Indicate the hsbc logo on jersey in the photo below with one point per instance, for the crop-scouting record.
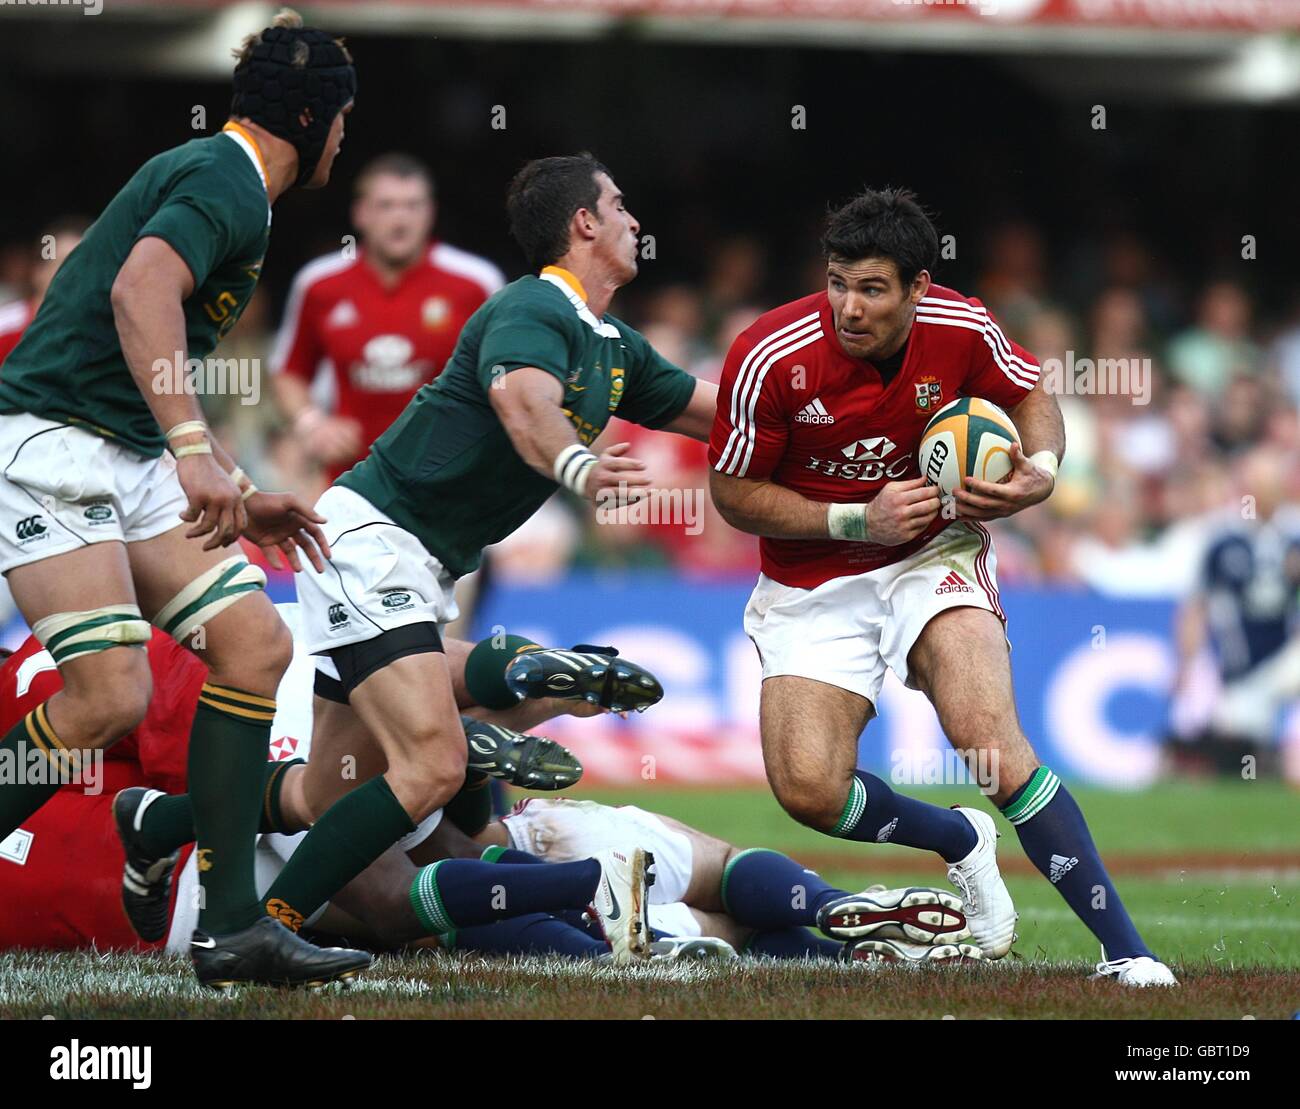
(868, 449)
(866, 460)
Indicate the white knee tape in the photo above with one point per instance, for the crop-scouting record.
(69, 634)
(208, 594)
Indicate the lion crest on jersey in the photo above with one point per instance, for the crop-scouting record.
(929, 395)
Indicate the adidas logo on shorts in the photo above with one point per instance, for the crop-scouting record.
(814, 412)
(1060, 867)
(954, 583)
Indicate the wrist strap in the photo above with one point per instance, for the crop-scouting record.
(249, 490)
(191, 448)
(572, 467)
(186, 427)
(1046, 460)
(847, 521)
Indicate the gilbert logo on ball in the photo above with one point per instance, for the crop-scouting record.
(968, 437)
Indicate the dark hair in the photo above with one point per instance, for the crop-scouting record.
(883, 223)
(542, 199)
(394, 164)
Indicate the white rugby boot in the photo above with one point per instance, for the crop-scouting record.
(620, 901)
(1139, 972)
(986, 901)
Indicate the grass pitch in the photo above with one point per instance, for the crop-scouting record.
(1211, 873)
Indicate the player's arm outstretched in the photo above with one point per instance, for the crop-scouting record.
(528, 404)
(147, 299)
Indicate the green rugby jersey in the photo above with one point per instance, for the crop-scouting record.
(207, 200)
(447, 472)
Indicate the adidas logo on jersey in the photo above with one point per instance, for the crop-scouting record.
(814, 412)
(954, 583)
(1060, 867)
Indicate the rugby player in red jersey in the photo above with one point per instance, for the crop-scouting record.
(383, 320)
(820, 412)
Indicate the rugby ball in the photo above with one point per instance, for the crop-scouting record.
(968, 437)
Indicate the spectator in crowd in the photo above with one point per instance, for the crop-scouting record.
(1245, 608)
(1207, 356)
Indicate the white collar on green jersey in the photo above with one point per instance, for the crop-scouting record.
(245, 143)
(553, 275)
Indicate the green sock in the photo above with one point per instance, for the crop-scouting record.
(485, 669)
(228, 745)
(355, 830)
(168, 823)
(30, 768)
(471, 809)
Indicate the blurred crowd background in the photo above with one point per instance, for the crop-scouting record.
(1217, 419)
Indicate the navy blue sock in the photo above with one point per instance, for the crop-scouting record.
(874, 813)
(1056, 838)
(764, 889)
(793, 943)
(533, 934)
(459, 893)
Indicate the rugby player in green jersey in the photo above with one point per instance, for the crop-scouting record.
(537, 373)
(103, 532)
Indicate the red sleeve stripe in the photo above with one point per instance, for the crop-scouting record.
(749, 382)
(954, 314)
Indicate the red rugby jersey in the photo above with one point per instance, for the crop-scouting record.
(14, 318)
(159, 747)
(61, 872)
(379, 345)
(795, 409)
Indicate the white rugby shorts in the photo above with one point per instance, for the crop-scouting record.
(560, 830)
(378, 577)
(848, 630)
(64, 488)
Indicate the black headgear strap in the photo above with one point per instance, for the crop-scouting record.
(274, 92)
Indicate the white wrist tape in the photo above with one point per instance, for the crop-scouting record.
(847, 521)
(572, 467)
(1046, 460)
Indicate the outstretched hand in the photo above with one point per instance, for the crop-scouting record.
(282, 525)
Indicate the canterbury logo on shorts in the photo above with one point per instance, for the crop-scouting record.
(29, 528)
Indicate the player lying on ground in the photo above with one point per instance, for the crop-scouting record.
(72, 826)
(536, 375)
(104, 532)
(820, 412)
(396, 899)
(756, 901)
